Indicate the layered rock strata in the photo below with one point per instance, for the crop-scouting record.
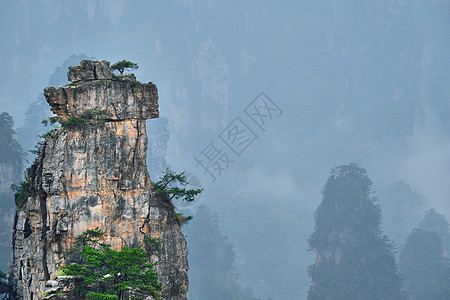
(92, 173)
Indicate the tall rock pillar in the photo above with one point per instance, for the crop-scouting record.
(92, 173)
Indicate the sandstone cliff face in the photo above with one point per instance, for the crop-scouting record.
(95, 176)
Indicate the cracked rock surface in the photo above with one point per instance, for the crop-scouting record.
(95, 176)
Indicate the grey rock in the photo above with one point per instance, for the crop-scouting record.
(65, 284)
(126, 77)
(90, 70)
(120, 100)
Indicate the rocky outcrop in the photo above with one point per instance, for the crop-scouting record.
(92, 173)
(90, 70)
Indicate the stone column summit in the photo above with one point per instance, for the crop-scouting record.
(92, 173)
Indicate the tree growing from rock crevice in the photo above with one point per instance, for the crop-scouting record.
(124, 65)
(173, 185)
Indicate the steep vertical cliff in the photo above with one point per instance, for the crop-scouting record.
(92, 173)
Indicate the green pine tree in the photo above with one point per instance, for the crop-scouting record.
(111, 274)
(169, 184)
(124, 65)
(353, 259)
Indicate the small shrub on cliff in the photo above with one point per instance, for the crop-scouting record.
(94, 114)
(110, 274)
(74, 123)
(50, 120)
(168, 185)
(123, 65)
(90, 116)
(36, 148)
(50, 133)
(22, 191)
(182, 219)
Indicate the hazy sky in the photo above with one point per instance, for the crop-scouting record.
(362, 81)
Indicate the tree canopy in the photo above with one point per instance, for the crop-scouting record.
(123, 65)
(354, 260)
(168, 185)
(111, 274)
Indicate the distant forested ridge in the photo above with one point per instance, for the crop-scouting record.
(11, 164)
